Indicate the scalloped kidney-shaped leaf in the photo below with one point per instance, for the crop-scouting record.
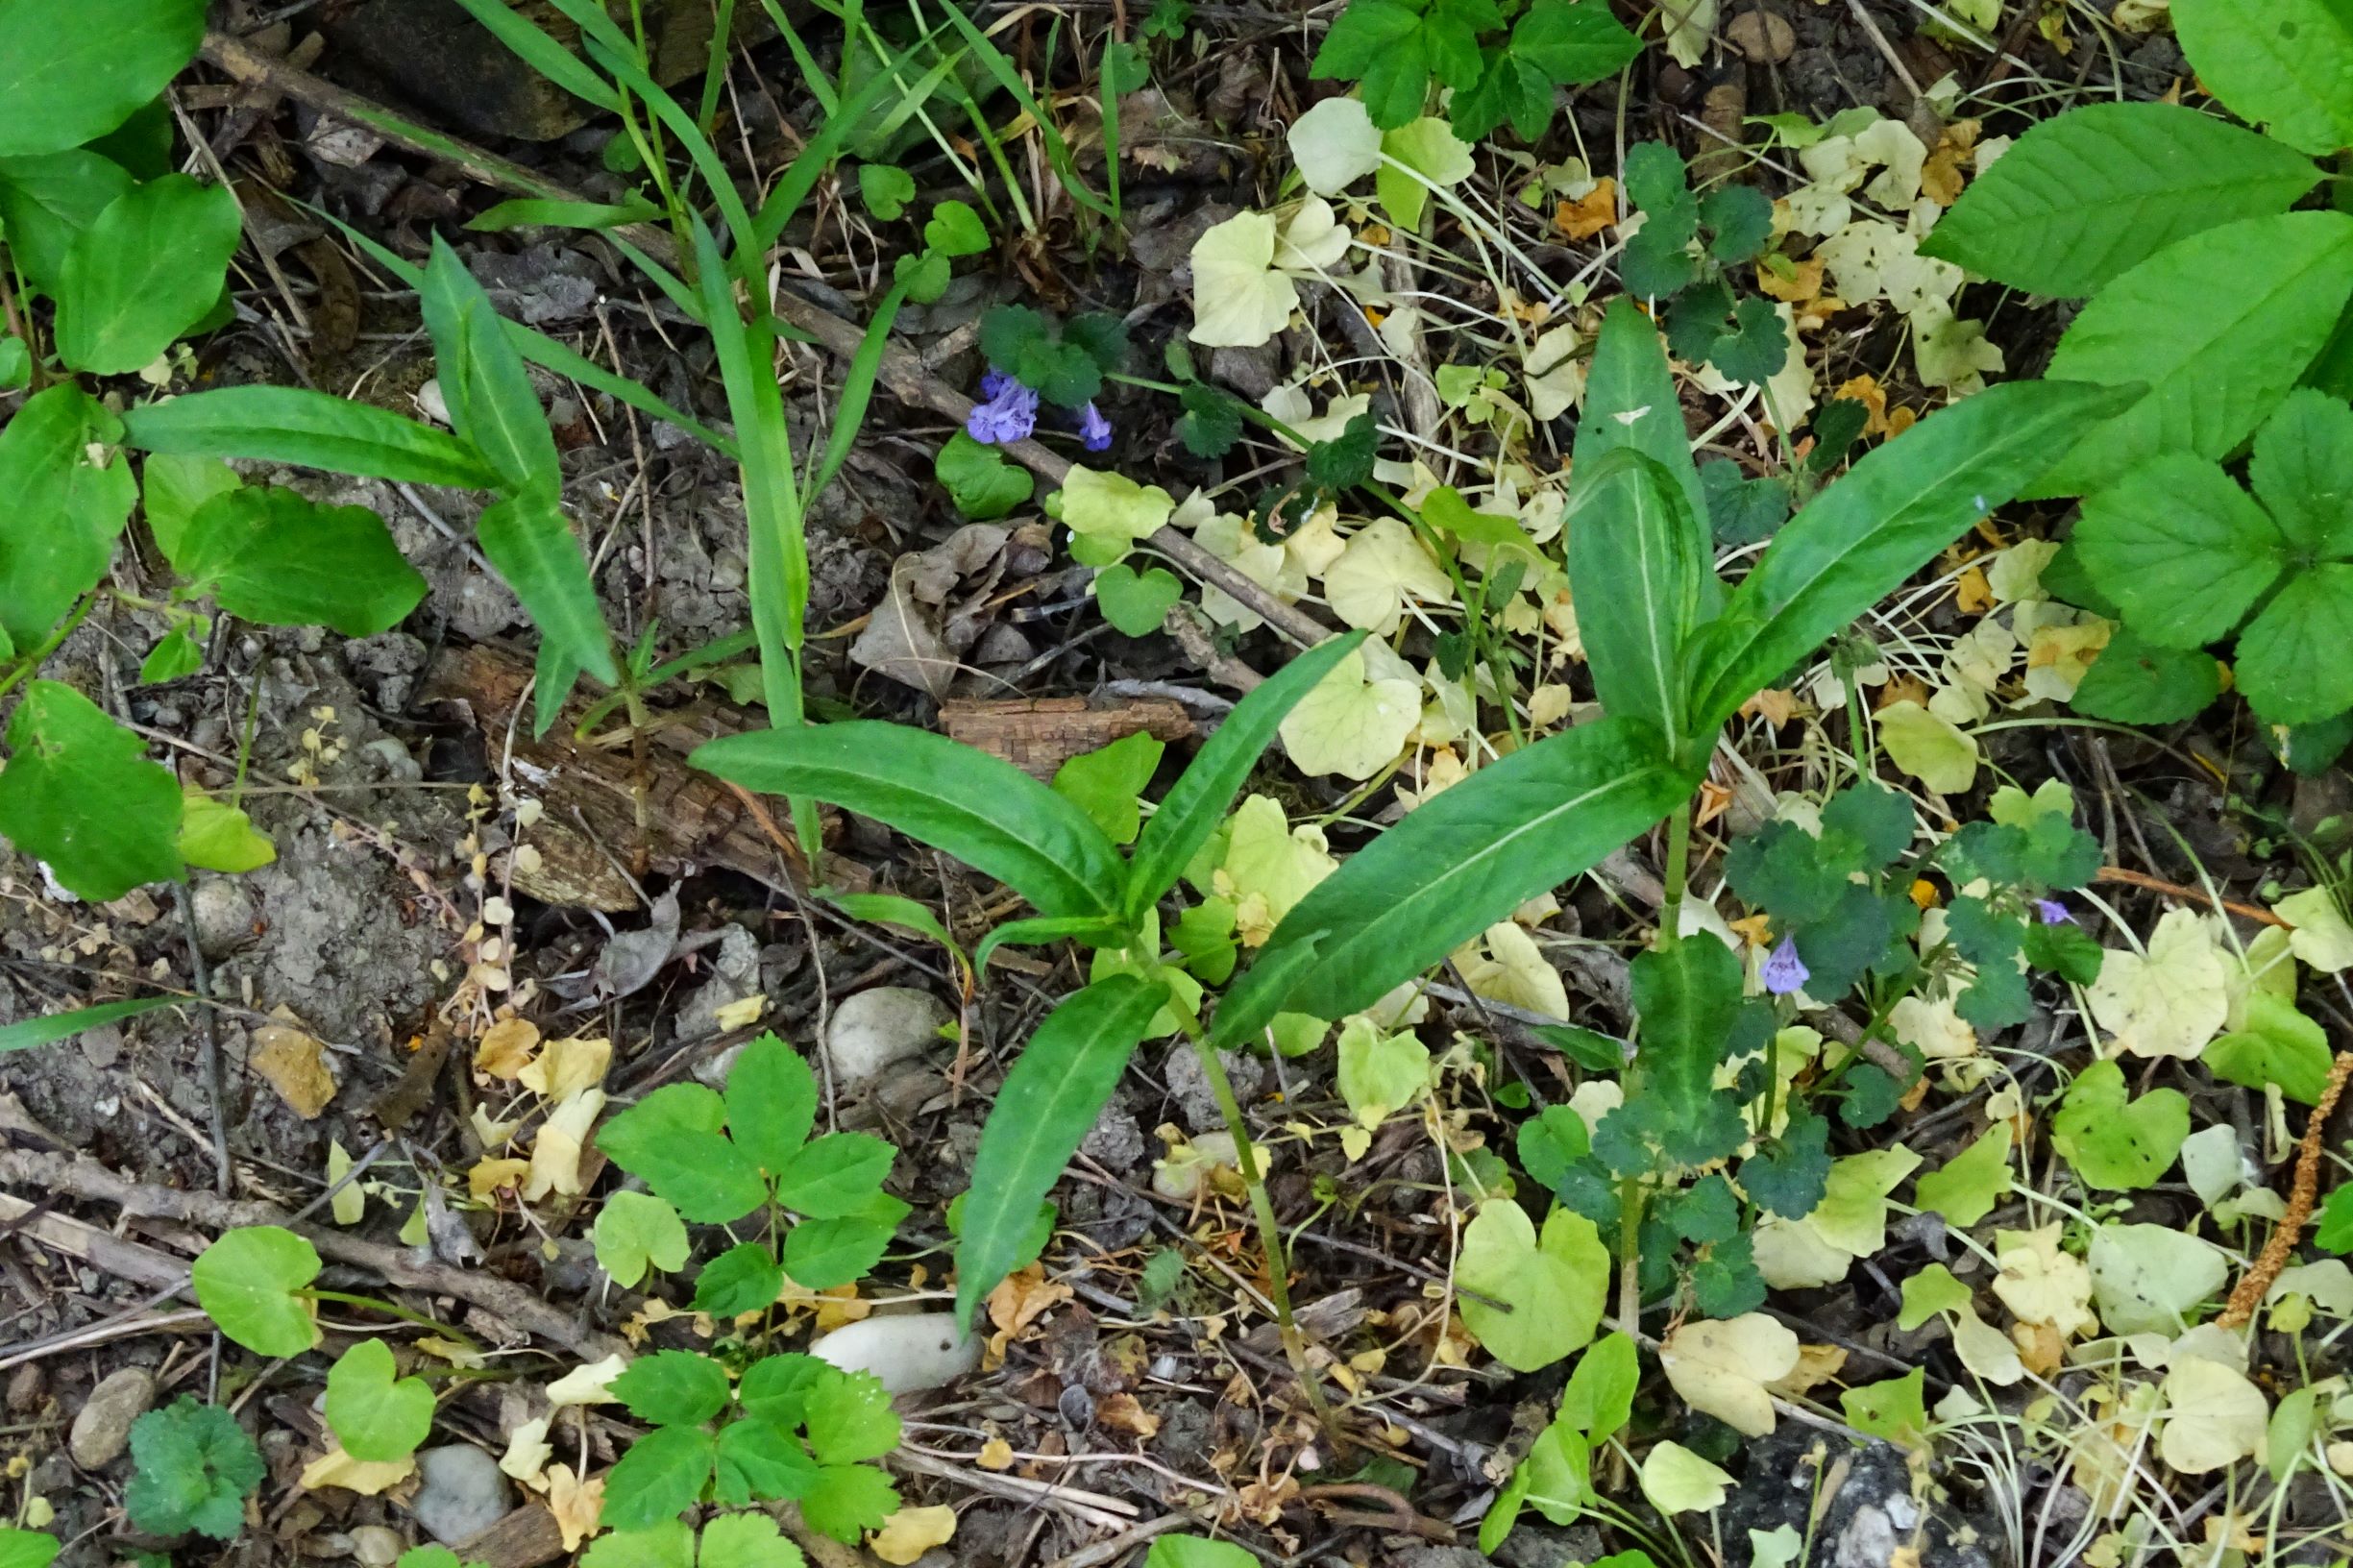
(249, 1281)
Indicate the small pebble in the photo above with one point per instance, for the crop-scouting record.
(102, 1431)
(878, 1028)
(377, 1545)
(463, 1494)
(909, 1351)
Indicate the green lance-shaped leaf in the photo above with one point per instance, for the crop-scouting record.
(528, 538)
(1631, 402)
(1638, 552)
(1051, 1097)
(52, 1027)
(1886, 518)
(491, 406)
(292, 425)
(70, 77)
(146, 270)
(1199, 799)
(1462, 862)
(2090, 193)
(65, 510)
(955, 798)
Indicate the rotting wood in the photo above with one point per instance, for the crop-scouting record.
(1039, 734)
(589, 822)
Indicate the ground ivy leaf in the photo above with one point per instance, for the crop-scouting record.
(1787, 1175)
(1967, 1188)
(1726, 1283)
(2116, 1143)
(192, 1466)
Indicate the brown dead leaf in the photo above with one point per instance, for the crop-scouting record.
(996, 1454)
(1757, 929)
(1777, 707)
(366, 1477)
(1972, 593)
(505, 1048)
(577, 1505)
(1866, 390)
(489, 1175)
(1802, 284)
(1901, 420)
(1714, 799)
(1590, 213)
(567, 1066)
(1120, 1412)
(295, 1064)
(1816, 1364)
(911, 1531)
(2042, 1349)
(1901, 689)
(1018, 1300)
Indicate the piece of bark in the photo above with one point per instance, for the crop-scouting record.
(526, 1538)
(1039, 734)
(590, 793)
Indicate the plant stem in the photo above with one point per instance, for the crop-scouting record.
(1630, 1255)
(1679, 873)
(1262, 1211)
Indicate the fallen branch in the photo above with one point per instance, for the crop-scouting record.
(89, 1180)
(2153, 884)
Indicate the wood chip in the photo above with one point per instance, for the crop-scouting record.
(1039, 734)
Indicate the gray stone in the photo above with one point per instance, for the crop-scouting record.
(876, 1029)
(102, 1431)
(463, 1494)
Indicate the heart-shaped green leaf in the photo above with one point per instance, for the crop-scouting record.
(249, 1279)
(375, 1415)
(2116, 1143)
(1135, 601)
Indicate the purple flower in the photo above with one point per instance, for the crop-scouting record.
(1093, 430)
(1784, 971)
(1010, 413)
(2053, 912)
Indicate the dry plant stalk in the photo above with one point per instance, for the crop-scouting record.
(2250, 1292)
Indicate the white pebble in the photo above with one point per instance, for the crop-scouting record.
(909, 1351)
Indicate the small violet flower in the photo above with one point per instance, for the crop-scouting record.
(1093, 430)
(1784, 971)
(1009, 414)
(2053, 912)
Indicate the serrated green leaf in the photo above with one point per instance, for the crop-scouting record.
(672, 1389)
(2090, 193)
(2288, 664)
(845, 1500)
(2283, 65)
(823, 1254)
(2180, 547)
(660, 1477)
(2214, 361)
(759, 1461)
(834, 1175)
(771, 1102)
(2137, 682)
